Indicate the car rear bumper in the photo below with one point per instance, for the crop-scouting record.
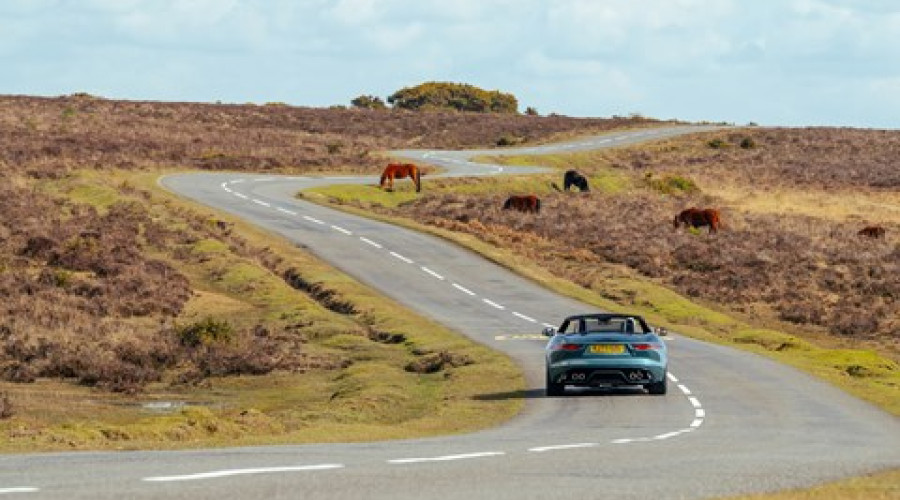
(608, 374)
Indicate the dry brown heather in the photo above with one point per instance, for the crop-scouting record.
(49, 136)
(812, 271)
(93, 295)
(84, 300)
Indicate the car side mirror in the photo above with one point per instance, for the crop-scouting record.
(549, 331)
(662, 332)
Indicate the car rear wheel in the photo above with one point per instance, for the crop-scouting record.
(657, 388)
(554, 389)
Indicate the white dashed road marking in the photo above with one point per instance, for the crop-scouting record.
(446, 458)
(463, 289)
(429, 271)
(522, 316)
(563, 447)
(404, 259)
(370, 242)
(238, 472)
(23, 489)
(493, 304)
(341, 230)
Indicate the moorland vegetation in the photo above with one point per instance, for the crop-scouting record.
(116, 293)
(801, 261)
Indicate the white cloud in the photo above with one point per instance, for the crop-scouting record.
(669, 58)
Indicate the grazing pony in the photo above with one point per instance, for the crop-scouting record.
(399, 171)
(699, 217)
(875, 232)
(529, 203)
(573, 178)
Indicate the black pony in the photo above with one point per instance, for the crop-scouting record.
(573, 178)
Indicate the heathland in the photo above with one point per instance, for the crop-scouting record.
(132, 319)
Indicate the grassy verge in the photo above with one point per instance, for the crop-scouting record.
(362, 378)
(882, 486)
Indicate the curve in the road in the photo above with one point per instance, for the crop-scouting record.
(764, 426)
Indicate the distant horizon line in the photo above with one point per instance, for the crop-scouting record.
(220, 102)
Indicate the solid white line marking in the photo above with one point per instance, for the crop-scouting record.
(563, 447)
(684, 389)
(23, 489)
(526, 318)
(237, 472)
(260, 202)
(340, 229)
(694, 401)
(672, 377)
(429, 271)
(493, 304)
(446, 458)
(370, 242)
(463, 289)
(404, 259)
(317, 221)
(241, 195)
(286, 211)
(697, 422)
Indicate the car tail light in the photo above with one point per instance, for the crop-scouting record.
(567, 347)
(650, 346)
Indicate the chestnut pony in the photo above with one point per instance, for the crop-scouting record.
(529, 203)
(699, 217)
(399, 171)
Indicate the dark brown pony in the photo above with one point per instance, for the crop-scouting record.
(399, 171)
(529, 203)
(574, 179)
(875, 232)
(699, 217)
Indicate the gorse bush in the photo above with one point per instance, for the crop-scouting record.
(672, 184)
(206, 332)
(368, 102)
(457, 96)
(509, 140)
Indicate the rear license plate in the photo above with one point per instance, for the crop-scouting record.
(607, 349)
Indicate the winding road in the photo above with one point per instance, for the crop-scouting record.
(732, 422)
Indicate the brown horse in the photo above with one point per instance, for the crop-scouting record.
(699, 217)
(528, 203)
(399, 171)
(875, 232)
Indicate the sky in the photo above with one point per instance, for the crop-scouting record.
(770, 62)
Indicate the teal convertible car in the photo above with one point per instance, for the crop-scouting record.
(605, 350)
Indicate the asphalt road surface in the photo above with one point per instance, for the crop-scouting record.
(732, 422)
